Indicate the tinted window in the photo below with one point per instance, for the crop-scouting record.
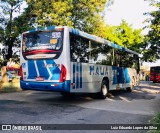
(88, 51)
(100, 53)
(42, 44)
(42, 40)
(130, 60)
(79, 49)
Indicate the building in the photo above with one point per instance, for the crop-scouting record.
(144, 70)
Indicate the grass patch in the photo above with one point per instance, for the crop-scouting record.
(155, 120)
(12, 86)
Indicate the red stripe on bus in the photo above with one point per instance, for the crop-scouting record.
(40, 51)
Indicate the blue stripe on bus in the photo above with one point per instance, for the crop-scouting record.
(43, 72)
(127, 76)
(51, 28)
(75, 31)
(77, 76)
(80, 75)
(74, 74)
(114, 70)
(31, 70)
(55, 71)
(43, 29)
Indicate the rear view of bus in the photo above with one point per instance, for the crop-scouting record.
(43, 66)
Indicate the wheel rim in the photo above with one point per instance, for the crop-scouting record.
(104, 90)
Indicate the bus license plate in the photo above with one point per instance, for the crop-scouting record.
(39, 78)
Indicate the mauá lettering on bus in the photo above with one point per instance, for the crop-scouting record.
(98, 70)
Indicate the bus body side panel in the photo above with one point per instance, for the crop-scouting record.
(131, 76)
(49, 70)
(87, 78)
(120, 78)
(124, 77)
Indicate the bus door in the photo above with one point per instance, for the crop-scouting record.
(127, 78)
(118, 76)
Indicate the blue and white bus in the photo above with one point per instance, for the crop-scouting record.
(66, 60)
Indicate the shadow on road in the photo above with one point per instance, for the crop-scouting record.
(129, 96)
(20, 107)
(113, 95)
(146, 91)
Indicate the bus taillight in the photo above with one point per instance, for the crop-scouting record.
(21, 73)
(63, 73)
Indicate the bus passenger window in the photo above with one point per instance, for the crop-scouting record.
(78, 49)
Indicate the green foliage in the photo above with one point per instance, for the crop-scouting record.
(155, 120)
(8, 28)
(153, 37)
(81, 14)
(85, 14)
(9, 87)
(3, 63)
(51, 12)
(125, 36)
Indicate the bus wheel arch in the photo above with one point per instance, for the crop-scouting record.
(132, 84)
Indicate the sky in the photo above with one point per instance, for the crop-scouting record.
(130, 10)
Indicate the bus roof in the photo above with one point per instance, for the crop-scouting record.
(86, 35)
(101, 40)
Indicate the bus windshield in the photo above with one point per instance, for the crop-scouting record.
(42, 42)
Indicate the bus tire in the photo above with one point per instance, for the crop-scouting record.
(104, 90)
(129, 89)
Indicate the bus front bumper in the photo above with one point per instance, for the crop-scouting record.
(46, 86)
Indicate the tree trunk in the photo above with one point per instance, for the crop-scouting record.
(9, 54)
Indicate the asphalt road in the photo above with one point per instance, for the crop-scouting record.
(121, 107)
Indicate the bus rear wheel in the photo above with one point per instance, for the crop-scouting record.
(104, 90)
(130, 89)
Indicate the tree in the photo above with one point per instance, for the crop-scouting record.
(8, 29)
(50, 12)
(86, 14)
(81, 14)
(152, 39)
(124, 35)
